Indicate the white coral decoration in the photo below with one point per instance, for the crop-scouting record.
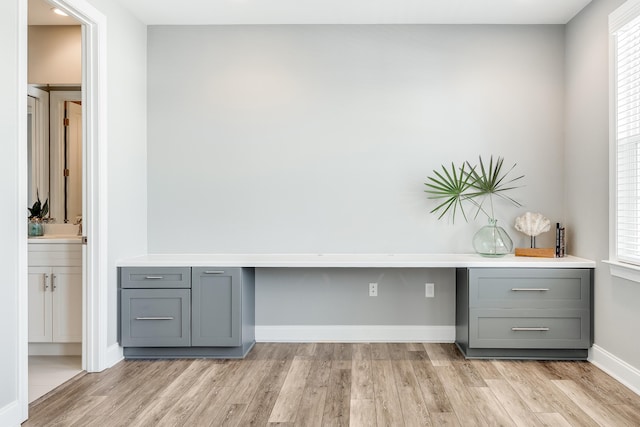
(532, 224)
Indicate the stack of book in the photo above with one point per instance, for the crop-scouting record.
(561, 241)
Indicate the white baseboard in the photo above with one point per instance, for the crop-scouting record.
(616, 367)
(355, 333)
(10, 414)
(114, 355)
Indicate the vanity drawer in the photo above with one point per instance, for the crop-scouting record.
(156, 317)
(155, 277)
(529, 288)
(529, 328)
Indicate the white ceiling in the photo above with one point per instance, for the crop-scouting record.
(40, 13)
(229, 12)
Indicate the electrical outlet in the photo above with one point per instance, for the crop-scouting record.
(373, 289)
(429, 290)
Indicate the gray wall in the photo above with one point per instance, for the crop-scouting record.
(319, 138)
(340, 296)
(587, 176)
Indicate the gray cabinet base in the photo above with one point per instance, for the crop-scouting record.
(523, 353)
(188, 352)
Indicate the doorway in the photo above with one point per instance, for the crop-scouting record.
(94, 253)
(55, 164)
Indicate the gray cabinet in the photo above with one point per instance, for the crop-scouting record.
(217, 309)
(186, 312)
(524, 313)
(155, 317)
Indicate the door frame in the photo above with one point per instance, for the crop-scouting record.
(94, 135)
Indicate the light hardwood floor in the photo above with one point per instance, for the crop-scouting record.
(324, 384)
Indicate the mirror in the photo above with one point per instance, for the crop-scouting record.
(55, 151)
(37, 144)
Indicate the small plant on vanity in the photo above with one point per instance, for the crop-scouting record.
(476, 185)
(36, 213)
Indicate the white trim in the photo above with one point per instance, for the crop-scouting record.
(355, 333)
(114, 355)
(616, 367)
(624, 14)
(617, 19)
(12, 412)
(21, 407)
(95, 262)
(623, 270)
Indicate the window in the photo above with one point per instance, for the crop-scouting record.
(624, 27)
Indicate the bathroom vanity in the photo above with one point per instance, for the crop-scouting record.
(55, 295)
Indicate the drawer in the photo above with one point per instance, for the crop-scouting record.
(529, 328)
(155, 277)
(156, 317)
(529, 288)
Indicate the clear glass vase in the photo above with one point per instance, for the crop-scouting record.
(35, 227)
(492, 240)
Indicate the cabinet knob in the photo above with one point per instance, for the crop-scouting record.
(214, 272)
(529, 289)
(155, 318)
(542, 329)
(154, 277)
(53, 283)
(44, 281)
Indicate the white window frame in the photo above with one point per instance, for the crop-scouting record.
(619, 267)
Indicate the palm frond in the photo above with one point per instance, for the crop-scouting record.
(472, 184)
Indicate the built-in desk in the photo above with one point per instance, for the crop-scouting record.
(352, 261)
(512, 307)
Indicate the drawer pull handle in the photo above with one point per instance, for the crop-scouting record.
(543, 329)
(154, 277)
(529, 289)
(214, 272)
(155, 318)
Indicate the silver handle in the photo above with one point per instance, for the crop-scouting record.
(155, 318)
(530, 289)
(154, 277)
(214, 272)
(53, 284)
(45, 276)
(530, 329)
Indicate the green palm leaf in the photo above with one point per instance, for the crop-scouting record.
(473, 184)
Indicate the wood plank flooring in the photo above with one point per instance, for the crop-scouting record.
(325, 384)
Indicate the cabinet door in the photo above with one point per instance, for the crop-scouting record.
(216, 306)
(39, 304)
(66, 301)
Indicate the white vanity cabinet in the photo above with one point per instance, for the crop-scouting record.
(55, 292)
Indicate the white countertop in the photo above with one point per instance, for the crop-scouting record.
(351, 260)
(55, 238)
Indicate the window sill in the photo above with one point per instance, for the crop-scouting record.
(624, 270)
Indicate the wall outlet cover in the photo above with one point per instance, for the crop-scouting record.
(373, 289)
(429, 290)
